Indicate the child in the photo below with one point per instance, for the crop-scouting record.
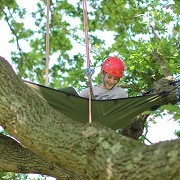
(111, 71)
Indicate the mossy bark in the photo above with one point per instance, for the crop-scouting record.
(90, 151)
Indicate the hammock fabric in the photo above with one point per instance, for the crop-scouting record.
(114, 113)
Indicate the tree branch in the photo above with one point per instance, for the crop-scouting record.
(15, 158)
(12, 30)
(88, 150)
(160, 61)
(158, 57)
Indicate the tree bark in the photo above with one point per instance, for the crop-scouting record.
(136, 128)
(18, 159)
(90, 151)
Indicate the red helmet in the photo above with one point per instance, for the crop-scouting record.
(113, 66)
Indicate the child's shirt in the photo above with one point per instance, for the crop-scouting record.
(103, 94)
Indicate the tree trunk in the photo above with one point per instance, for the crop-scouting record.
(90, 151)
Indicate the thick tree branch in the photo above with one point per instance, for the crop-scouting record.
(89, 150)
(164, 85)
(15, 158)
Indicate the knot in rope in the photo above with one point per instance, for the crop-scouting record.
(89, 71)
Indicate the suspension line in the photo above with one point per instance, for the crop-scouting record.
(85, 17)
(47, 45)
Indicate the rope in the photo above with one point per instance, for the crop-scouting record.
(87, 54)
(47, 44)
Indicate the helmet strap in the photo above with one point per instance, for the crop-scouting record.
(104, 83)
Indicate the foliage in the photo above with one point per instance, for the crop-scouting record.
(175, 110)
(12, 176)
(139, 27)
(177, 133)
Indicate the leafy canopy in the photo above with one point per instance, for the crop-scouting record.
(140, 29)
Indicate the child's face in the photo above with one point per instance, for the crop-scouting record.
(110, 81)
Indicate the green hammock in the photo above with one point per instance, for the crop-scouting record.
(114, 113)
